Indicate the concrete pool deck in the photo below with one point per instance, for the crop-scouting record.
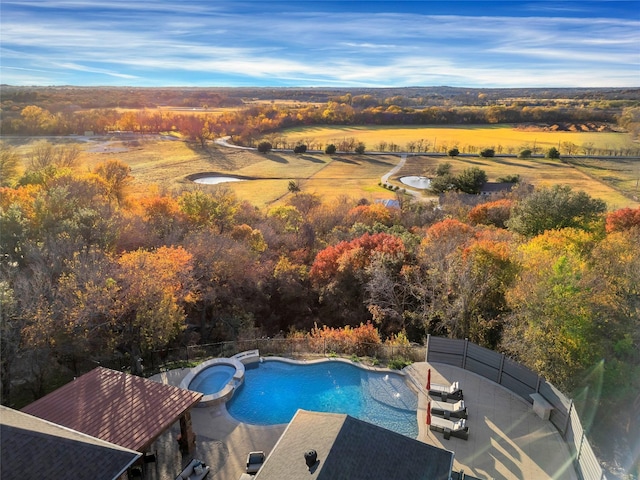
(507, 440)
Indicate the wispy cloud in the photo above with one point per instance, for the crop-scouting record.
(156, 42)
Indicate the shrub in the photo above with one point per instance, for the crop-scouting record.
(264, 147)
(398, 363)
(488, 153)
(454, 152)
(300, 149)
(330, 149)
(526, 153)
(552, 153)
(360, 148)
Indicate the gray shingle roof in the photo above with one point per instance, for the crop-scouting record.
(34, 448)
(350, 449)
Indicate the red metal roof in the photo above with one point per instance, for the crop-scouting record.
(114, 406)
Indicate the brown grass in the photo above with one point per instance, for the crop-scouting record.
(167, 166)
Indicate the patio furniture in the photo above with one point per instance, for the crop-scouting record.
(195, 470)
(446, 392)
(254, 462)
(449, 410)
(457, 429)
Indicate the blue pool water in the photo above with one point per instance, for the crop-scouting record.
(273, 391)
(212, 379)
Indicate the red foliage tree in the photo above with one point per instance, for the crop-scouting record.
(623, 219)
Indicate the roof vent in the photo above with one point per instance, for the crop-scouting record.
(310, 456)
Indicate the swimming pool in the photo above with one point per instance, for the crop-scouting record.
(274, 390)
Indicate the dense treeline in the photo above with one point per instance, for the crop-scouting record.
(247, 126)
(89, 273)
(55, 98)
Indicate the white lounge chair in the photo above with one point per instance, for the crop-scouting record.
(458, 428)
(446, 392)
(449, 410)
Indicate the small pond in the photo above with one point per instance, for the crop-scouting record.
(414, 181)
(214, 180)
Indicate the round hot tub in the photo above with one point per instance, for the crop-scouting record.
(218, 378)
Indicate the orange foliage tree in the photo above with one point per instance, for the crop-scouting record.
(623, 219)
(491, 213)
(361, 340)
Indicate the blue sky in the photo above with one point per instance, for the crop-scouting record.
(320, 43)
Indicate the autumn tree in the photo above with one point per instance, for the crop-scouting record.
(116, 177)
(491, 213)
(340, 271)
(552, 327)
(623, 219)
(153, 288)
(555, 208)
(207, 210)
(9, 164)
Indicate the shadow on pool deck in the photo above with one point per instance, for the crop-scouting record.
(506, 441)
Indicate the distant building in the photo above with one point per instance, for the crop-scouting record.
(495, 188)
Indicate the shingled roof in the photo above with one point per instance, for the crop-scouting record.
(116, 407)
(351, 449)
(34, 448)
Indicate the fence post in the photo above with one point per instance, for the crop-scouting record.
(464, 354)
(187, 350)
(426, 353)
(538, 384)
(501, 368)
(568, 420)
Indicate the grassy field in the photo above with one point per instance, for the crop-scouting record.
(503, 138)
(539, 172)
(168, 166)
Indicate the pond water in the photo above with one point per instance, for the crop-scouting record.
(216, 180)
(414, 181)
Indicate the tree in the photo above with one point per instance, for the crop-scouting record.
(623, 219)
(471, 180)
(552, 153)
(487, 153)
(330, 149)
(153, 289)
(9, 164)
(264, 147)
(491, 213)
(552, 328)
(205, 210)
(300, 149)
(555, 208)
(454, 152)
(115, 175)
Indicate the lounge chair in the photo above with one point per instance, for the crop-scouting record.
(446, 392)
(254, 462)
(449, 410)
(457, 429)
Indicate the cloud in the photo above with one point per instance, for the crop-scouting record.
(156, 41)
